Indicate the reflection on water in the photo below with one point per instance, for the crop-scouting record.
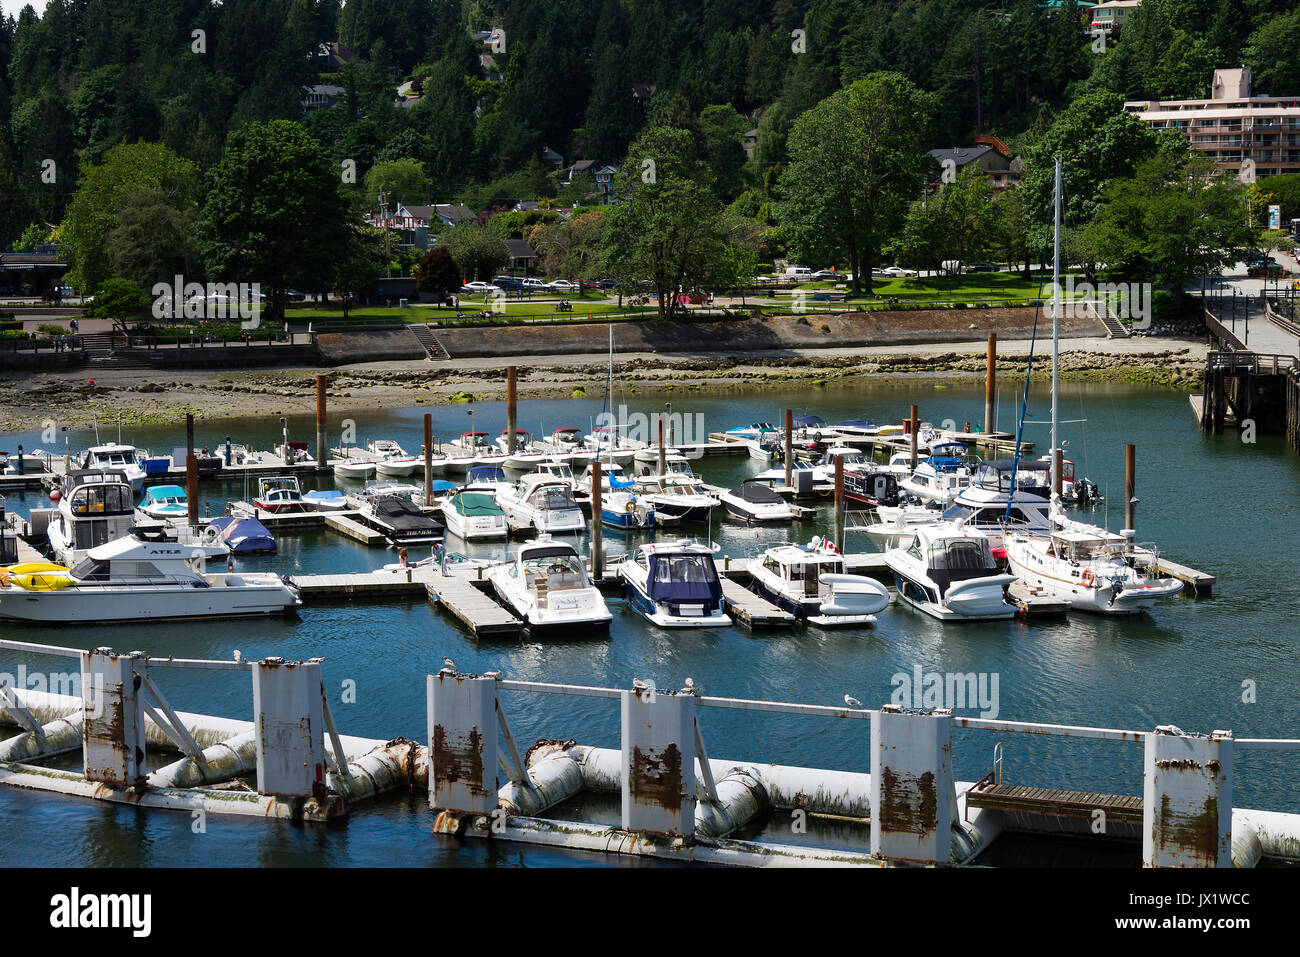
(1211, 503)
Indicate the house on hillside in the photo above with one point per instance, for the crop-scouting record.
(320, 97)
(602, 173)
(988, 154)
(522, 255)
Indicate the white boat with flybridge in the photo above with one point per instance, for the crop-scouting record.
(129, 581)
(678, 494)
(544, 503)
(941, 475)
(546, 586)
(674, 585)
(948, 571)
(114, 455)
(810, 582)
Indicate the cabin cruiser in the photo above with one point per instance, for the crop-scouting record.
(948, 571)
(280, 493)
(938, 477)
(755, 503)
(131, 580)
(487, 478)
(542, 502)
(620, 506)
(547, 587)
(678, 494)
(674, 585)
(165, 501)
(871, 486)
(809, 581)
(473, 515)
(122, 458)
(995, 513)
(400, 519)
(1092, 569)
(93, 506)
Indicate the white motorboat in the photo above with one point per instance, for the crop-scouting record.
(393, 461)
(1093, 570)
(37, 460)
(767, 446)
(354, 468)
(809, 581)
(948, 571)
(547, 587)
(326, 500)
(542, 502)
(122, 458)
(468, 450)
(755, 503)
(568, 445)
(473, 515)
(939, 477)
(746, 433)
(674, 585)
(165, 502)
(92, 507)
(131, 580)
(487, 478)
(620, 505)
(776, 474)
(610, 442)
(678, 494)
(403, 490)
(280, 493)
(890, 525)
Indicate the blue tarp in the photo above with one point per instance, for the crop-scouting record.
(244, 535)
(809, 421)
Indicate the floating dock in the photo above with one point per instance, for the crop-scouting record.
(1200, 582)
(468, 603)
(751, 610)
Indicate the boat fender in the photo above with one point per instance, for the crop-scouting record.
(211, 535)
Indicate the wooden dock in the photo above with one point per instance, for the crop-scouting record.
(346, 525)
(381, 583)
(1020, 798)
(1035, 603)
(465, 601)
(751, 610)
(1200, 582)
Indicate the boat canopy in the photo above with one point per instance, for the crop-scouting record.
(683, 577)
(854, 424)
(160, 492)
(441, 485)
(809, 421)
(485, 473)
(244, 535)
(473, 504)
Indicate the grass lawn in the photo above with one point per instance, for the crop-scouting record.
(515, 312)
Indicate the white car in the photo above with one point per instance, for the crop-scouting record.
(898, 272)
(563, 285)
(764, 280)
(827, 274)
(474, 288)
(532, 283)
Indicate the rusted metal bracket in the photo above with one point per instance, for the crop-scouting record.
(338, 758)
(9, 702)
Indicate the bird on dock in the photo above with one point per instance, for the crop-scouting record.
(238, 656)
(852, 702)
(642, 686)
(449, 664)
(690, 687)
(491, 674)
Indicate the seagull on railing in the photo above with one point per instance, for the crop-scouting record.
(852, 702)
(690, 687)
(238, 656)
(448, 664)
(491, 674)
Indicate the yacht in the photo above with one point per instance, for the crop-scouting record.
(674, 585)
(1091, 569)
(165, 501)
(542, 502)
(809, 581)
(948, 571)
(131, 580)
(122, 458)
(473, 515)
(280, 493)
(93, 506)
(755, 503)
(678, 494)
(547, 587)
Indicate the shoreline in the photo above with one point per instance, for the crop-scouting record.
(156, 396)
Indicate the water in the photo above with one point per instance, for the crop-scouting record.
(1211, 503)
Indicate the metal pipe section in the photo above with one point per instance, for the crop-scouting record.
(398, 764)
(221, 762)
(555, 775)
(57, 737)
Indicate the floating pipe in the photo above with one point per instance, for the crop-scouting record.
(741, 799)
(221, 762)
(386, 768)
(57, 737)
(555, 775)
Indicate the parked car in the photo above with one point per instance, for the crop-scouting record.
(827, 274)
(295, 296)
(564, 285)
(897, 272)
(475, 288)
(981, 267)
(765, 280)
(508, 283)
(532, 282)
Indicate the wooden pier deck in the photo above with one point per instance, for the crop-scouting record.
(465, 601)
(1034, 602)
(381, 583)
(1200, 582)
(751, 610)
(1021, 798)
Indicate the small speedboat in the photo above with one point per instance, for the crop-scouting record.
(354, 469)
(547, 587)
(165, 501)
(280, 493)
(755, 503)
(393, 461)
(674, 585)
(326, 500)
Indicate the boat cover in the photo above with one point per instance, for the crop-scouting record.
(683, 578)
(244, 535)
(758, 494)
(476, 503)
(401, 515)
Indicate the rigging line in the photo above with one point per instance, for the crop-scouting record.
(1024, 405)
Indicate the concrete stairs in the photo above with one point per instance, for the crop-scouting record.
(429, 341)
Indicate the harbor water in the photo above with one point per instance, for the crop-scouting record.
(1225, 661)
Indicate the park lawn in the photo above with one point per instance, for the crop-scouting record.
(515, 311)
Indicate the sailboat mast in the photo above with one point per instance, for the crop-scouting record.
(1056, 318)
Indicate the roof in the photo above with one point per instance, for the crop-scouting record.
(456, 212)
(960, 155)
(519, 249)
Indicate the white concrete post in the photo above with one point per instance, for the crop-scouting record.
(289, 722)
(1187, 800)
(658, 762)
(911, 785)
(113, 720)
(463, 745)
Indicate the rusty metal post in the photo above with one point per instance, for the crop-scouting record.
(512, 409)
(597, 529)
(322, 444)
(289, 718)
(913, 427)
(428, 459)
(191, 473)
(839, 503)
(663, 461)
(991, 384)
(1187, 800)
(911, 786)
(112, 737)
(1130, 486)
(658, 762)
(789, 448)
(1058, 465)
(463, 750)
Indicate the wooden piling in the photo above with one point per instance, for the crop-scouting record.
(789, 448)
(428, 458)
(512, 408)
(915, 426)
(191, 473)
(1130, 485)
(322, 445)
(991, 383)
(662, 458)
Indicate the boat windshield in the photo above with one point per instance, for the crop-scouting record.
(957, 513)
(960, 554)
(559, 571)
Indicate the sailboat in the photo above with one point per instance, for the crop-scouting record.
(1085, 565)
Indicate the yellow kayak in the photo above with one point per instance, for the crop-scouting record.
(36, 576)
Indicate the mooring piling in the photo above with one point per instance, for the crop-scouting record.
(913, 428)
(512, 409)
(191, 473)
(789, 448)
(428, 458)
(1130, 486)
(1187, 799)
(912, 791)
(322, 443)
(991, 384)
